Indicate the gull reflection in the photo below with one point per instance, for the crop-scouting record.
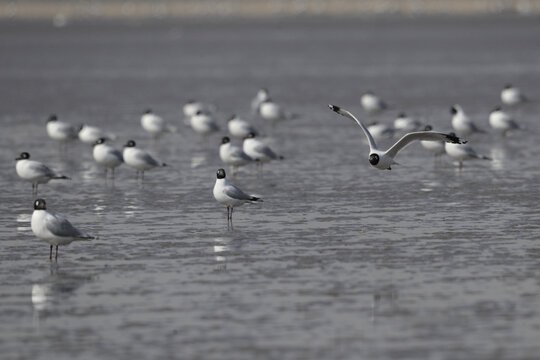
(49, 292)
(499, 156)
(384, 302)
(221, 248)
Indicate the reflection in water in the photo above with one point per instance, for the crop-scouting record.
(48, 293)
(384, 302)
(499, 155)
(198, 160)
(23, 222)
(220, 250)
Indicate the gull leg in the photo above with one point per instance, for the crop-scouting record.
(50, 253)
(56, 256)
(37, 188)
(112, 170)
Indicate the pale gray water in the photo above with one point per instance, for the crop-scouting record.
(340, 261)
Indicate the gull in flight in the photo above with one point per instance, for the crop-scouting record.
(53, 228)
(229, 195)
(383, 160)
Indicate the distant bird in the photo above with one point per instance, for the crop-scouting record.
(406, 123)
(232, 155)
(155, 125)
(107, 156)
(192, 107)
(204, 124)
(261, 96)
(502, 121)
(381, 131)
(435, 147)
(462, 152)
(53, 228)
(139, 159)
(383, 160)
(258, 150)
(60, 131)
(512, 95)
(461, 123)
(372, 103)
(90, 134)
(35, 171)
(239, 127)
(229, 195)
(273, 112)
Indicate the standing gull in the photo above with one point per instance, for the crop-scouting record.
(107, 156)
(139, 159)
(383, 160)
(229, 195)
(461, 122)
(232, 155)
(54, 229)
(35, 171)
(60, 131)
(372, 104)
(155, 125)
(462, 152)
(501, 121)
(512, 95)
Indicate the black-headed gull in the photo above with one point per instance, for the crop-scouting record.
(139, 159)
(406, 123)
(261, 96)
(35, 171)
(53, 228)
(461, 123)
(60, 131)
(239, 127)
(204, 124)
(155, 125)
(90, 134)
(462, 152)
(502, 121)
(371, 103)
(258, 150)
(229, 195)
(107, 155)
(383, 160)
(232, 155)
(512, 95)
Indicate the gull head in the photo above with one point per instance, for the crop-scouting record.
(374, 159)
(428, 128)
(23, 156)
(148, 111)
(221, 174)
(39, 204)
(225, 140)
(52, 117)
(99, 141)
(130, 143)
(453, 110)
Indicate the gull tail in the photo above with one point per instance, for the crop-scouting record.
(253, 198)
(61, 177)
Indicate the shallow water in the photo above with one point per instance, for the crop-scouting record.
(340, 261)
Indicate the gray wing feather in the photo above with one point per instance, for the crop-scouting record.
(235, 193)
(60, 226)
(238, 153)
(265, 149)
(41, 168)
(147, 158)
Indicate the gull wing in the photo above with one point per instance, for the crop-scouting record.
(235, 193)
(421, 135)
(343, 112)
(238, 153)
(40, 168)
(60, 226)
(265, 149)
(147, 158)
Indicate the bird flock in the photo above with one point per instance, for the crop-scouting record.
(200, 117)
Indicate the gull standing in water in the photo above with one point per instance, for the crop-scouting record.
(107, 156)
(204, 124)
(35, 171)
(232, 155)
(462, 152)
(155, 125)
(512, 95)
(372, 104)
(229, 195)
(60, 131)
(262, 96)
(53, 228)
(383, 160)
(501, 121)
(139, 159)
(461, 123)
(259, 151)
(90, 134)
(239, 127)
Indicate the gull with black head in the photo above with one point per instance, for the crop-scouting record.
(139, 159)
(383, 160)
(107, 155)
(35, 172)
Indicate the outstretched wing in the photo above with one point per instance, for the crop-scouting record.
(421, 135)
(60, 226)
(343, 112)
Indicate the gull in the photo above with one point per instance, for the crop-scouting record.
(462, 152)
(372, 103)
(192, 107)
(35, 171)
(53, 228)
(239, 127)
(229, 195)
(203, 123)
(139, 159)
(258, 150)
(106, 155)
(501, 121)
(232, 155)
(262, 96)
(90, 134)
(155, 125)
(406, 123)
(461, 123)
(512, 95)
(436, 147)
(60, 131)
(383, 160)
(273, 112)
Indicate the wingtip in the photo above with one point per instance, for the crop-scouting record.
(454, 139)
(334, 107)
